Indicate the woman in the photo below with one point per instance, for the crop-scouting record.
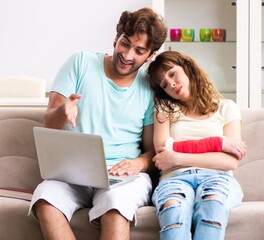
(196, 191)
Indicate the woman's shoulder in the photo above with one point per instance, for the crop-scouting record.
(227, 104)
(229, 110)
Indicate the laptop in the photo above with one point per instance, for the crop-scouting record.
(75, 158)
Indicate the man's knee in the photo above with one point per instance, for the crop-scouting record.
(112, 216)
(45, 210)
(40, 205)
(114, 226)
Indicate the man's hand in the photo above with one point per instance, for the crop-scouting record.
(127, 167)
(70, 108)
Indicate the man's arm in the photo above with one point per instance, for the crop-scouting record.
(142, 163)
(147, 149)
(61, 111)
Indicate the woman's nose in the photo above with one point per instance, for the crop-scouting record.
(173, 84)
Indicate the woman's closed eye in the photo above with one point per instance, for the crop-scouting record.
(172, 74)
(163, 85)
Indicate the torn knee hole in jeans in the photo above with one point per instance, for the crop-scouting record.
(212, 223)
(213, 197)
(172, 225)
(173, 201)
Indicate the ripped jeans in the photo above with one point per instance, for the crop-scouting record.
(195, 204)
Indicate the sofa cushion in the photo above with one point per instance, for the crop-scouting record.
(19, 172)
(18, 158)
(250, 170)
(246, 222)
(14, 221)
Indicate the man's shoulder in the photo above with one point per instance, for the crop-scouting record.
(83, 53)
(86, 59)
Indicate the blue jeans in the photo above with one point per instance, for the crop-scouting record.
(201, 200)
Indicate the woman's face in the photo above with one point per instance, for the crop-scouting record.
(176, 84)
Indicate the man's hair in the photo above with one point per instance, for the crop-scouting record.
(144, 20)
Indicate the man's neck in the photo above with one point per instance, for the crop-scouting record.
(119, 80)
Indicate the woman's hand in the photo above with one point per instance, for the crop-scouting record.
(165, 158)
(235, 147)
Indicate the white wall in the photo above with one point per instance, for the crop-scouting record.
(36, 36)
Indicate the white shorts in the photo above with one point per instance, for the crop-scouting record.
(69, 198)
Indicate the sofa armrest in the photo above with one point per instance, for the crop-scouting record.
(16, 193)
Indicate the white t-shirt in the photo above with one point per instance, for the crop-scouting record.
(188, 128)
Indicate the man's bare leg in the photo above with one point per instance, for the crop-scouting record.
(114, 226)
(54, 225)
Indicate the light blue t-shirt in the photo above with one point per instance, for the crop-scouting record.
(117, 114)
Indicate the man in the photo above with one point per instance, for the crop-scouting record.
(108, 96)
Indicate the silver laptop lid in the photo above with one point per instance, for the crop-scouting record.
(71, 157)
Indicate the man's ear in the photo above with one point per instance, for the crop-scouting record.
(114, 44)
(116, 38)
(151, 56)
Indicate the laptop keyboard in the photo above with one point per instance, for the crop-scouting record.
(114, 181)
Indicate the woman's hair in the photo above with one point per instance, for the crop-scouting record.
(202, 90)
(144, 20)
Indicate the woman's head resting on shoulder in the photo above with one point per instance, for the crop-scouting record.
(177, 80)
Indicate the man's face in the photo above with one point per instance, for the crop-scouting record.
(130, 53)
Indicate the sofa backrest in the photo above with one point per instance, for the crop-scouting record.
(18, 159)
(251, 168)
